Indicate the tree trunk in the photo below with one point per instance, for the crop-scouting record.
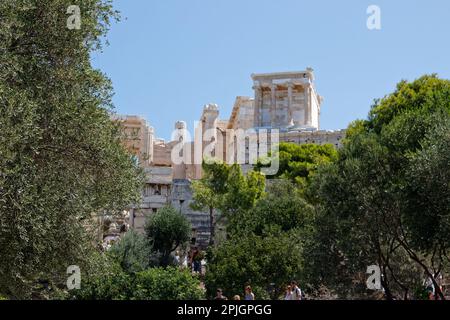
(384, 284)
(165, 258)
(413, 256)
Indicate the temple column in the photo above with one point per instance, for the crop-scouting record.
(290, 119)
(273, 106)
(308, 105)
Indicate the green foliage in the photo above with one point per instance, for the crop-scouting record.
(167, 284)
(132, 252)
(242, 192)
(204, 198)
(224, 191)
(427, 189)
(282, 209)
(61, 160)
(265, 244)
(262, 262)
(385, 200)
(215, 175)
(299, 163)
(112, 283)
(427, 95)
(167, 230)
(225, 188)
(106, 280)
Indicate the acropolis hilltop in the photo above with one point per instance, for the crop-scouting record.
(286, 101)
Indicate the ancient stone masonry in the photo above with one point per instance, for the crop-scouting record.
(286, 101)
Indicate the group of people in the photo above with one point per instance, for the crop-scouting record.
(292, 292)
(193, 260)
(248, 295)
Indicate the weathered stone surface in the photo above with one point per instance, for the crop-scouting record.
(287, 101)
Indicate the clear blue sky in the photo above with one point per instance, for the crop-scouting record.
(167, 58)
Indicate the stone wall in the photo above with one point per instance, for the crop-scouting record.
(181, 198)
(287, 101)
(316, 137)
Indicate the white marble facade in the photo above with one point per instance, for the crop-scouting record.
(287, 101)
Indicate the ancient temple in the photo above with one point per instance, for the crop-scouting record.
(287, 102)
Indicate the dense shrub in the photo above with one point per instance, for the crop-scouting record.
(167, 284)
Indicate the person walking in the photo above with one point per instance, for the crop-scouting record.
(288, 293)
(249, 295)
(197, 260)
(190, 259)
(296, 291)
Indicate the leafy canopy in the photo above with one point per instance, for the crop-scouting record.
(61, 160)
(299, 163)
(382, 201)
(167, 230)
(133, 252)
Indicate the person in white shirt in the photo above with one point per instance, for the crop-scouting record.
(296, 291)
(249, 295)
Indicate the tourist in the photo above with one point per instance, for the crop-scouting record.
(288, 293)
(219, 295)
(249, 295)
(177, 258)
(189, 259)
(296, 291)
(197, 260)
